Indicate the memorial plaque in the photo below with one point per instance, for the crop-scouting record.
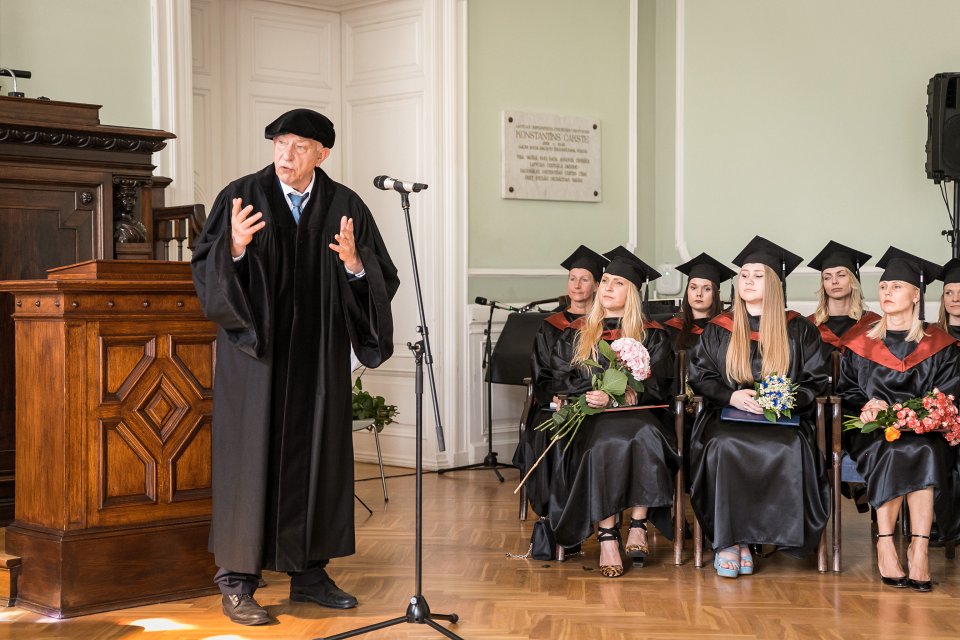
(550, 157)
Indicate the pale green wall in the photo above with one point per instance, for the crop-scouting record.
(805, 122)
(94, 51)
(549, 56)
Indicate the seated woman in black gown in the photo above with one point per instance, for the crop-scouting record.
(757, 483)
(950, 300)
(898, 359)
(621, 459)
(701, 300)
(584, 267)
(840, 306)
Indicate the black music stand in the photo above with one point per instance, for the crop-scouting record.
(508, 363)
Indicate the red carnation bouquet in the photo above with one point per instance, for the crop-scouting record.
(933, 412)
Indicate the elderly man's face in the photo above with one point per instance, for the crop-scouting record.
(295, 159)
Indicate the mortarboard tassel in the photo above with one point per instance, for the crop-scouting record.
(783, 280)
(922, 291)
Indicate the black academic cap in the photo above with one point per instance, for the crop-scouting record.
(586, 258)
(838, 255)
(632, 268)
(950, 273)
(306, 123)
(769, 253)
(900, 265)
(708, 268)
(619, 252)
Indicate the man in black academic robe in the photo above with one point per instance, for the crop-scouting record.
(279, 283)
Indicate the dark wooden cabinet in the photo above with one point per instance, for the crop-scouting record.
(115, 366)
(71, 190)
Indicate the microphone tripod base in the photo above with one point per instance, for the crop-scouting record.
(418, 612)
(489, 462)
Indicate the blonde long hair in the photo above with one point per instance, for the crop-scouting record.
(916, 333)
(774, 346)
(631, 325)
(857, 306)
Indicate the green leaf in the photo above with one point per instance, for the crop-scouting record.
(770, 415)
(870, 427)
(614, 382)
(593, 363)
(607, 351)
(635, 384)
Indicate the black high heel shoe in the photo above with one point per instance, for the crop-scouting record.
(603, 535)
(899, 583)
(919, 585)
(637, 552)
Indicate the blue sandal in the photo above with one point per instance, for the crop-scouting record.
(733, 558)
(746, 557)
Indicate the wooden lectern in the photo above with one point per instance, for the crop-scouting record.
(114, 393)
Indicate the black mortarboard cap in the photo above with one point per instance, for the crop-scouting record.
(760, 250)
(586, 258)
(306, 123)
(838, 255)
(631, 268)
(619, 252)
(950, 273)
(706, 267)
(900, 265)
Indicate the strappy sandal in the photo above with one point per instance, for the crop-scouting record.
(732, 558)
(746, 561)
(637, 552)
(604, 535)
(900, 582)
(919, 585)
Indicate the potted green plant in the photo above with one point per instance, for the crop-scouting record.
(370, 410)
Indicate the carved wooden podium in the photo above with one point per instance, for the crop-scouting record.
(114, 365)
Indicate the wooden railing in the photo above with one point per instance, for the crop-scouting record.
(175, 228)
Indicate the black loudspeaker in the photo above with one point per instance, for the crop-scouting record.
(943, 128)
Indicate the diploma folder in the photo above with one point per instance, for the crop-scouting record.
(736, 415)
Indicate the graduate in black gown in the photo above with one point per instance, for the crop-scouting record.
(701, 300)
(585, 268)
(949, 319)
(840, 307)
(292, 268)
(619, 459)
(701, 303)
(757, 483)
(901, 358)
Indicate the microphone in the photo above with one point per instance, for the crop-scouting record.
(561, 300)
(387, 183)
(496, 305)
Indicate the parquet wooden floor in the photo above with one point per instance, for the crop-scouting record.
(471, 521)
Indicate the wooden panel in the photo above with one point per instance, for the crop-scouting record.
(123, 361)
(127, 470)
(197, 359)
(40, 488)
(190, 470)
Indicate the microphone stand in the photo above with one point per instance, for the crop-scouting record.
(490, 460)
(418, 612)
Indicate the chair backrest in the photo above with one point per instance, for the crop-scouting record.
(834, 370)
(681, 372)
(174, 227)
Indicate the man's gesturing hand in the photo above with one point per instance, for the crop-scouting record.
(243, 226)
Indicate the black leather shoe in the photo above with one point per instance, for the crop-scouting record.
(326, 594)
(243, 609)
(918, 585)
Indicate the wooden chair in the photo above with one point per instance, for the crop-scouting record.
(842, 470)
(526, 417)
(177, 226)
(698, 402)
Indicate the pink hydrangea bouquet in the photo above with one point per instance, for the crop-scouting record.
(933, 412)
(629, 366)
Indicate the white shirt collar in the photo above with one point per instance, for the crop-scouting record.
(287, 189)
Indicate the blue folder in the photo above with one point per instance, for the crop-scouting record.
(736, 415)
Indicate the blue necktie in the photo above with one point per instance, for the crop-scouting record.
(296, 200)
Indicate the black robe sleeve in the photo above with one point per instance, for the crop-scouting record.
(705, 372)
(366, 300)
(223, 285)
